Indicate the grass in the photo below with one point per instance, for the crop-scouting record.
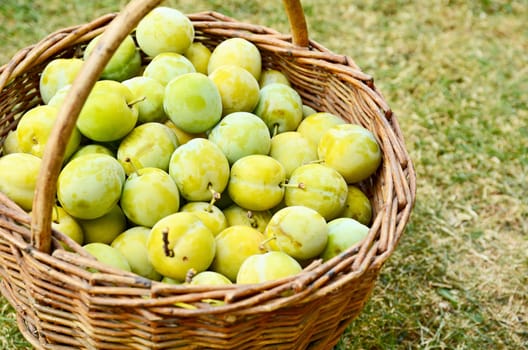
(455, 74)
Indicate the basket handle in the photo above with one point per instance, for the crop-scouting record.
(53, 156)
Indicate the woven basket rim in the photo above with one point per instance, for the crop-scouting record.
(319, 279)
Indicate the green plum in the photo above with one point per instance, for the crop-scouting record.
(132, 243)
(307, 111)
(108, 114)
(199, 55)
(124, 63)
(164, 29)
(268, 266)
(199, 169)
(209, 278)
(315, 125)
(193, 103)
(67, 224)
(210, 215)
(350, 149)
(237, 51)
(58, 73)
(238, 88)
(292, 150)
(34, 129)
(18, 177)
(319, 187)
(280, 106)
(256, 182)
(236, 215)
(183, 136)
(104, 229)
(149, 194)
(270, 76)
(11, 143)
(357, 206)
(167, 66)
(108, 255)
(149, 92)
(147, 145)
(241, 134)
(92, 148)
(343, 233)
(178, 243)
(299, 231)
(233, 246)
(89, 186)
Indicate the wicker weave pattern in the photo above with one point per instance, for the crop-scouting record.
(61, 305)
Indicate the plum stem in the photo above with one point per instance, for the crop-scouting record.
(131, 162)
(275, 129)
(165, 236)
(262, 245)
(137, 100)
(215, 197)
(300, 185)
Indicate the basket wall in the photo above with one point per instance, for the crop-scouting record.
(60, 305)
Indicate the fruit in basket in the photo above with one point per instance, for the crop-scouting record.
(109, 112)
(11, 143)
(308, 111)
(167, 66)
(164, 29)
(148, 195)
(256, 182)
(236, 215)
(124, 63)
(132, 243)
(108, 255)
(357, 206)
(200, 169)
(34, 129)
(299, 231)
(65, 223)
(92, 148)
(315, 125)
(209, 278)
(18, 177)
(58, 73)
(237, 51)
(147, 145)
(104, 228)
(180, 242)
(89, 186)
(270, 76)
(318, 187)
(150, 94)
(183, 136)
(233, 246)
(280, 106)
(241, 134)
(267, 267)
(192, 102)
(350, 149)
(343, 233)
(199, 55)
(238, 88)
(292, 150)
(210, 215)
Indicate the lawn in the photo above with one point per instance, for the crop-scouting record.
(455, 73)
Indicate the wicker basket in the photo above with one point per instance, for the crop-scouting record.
(61, 305)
